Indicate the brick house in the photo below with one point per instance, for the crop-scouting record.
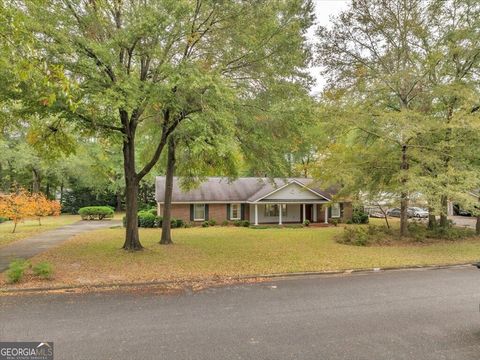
(258, 200)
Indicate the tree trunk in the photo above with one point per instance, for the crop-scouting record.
(118, 207)
(61, 193)
(444, 212)
(166, 238)
(132, 240)
(36, 181)
(404, 195)
(432, 219)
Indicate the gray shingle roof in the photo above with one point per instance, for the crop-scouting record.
(220, 189)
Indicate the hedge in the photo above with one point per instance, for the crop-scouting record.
(95, 212)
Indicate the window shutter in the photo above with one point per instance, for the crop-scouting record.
(242, 211)
(341, 210)
(206, 212)
(228, 211)
(330, 211)
(191, 212)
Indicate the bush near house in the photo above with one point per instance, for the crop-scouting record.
(95, 212)
(360, 217)
(3, 219)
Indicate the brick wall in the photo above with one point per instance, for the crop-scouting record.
(347, 211)
(217, 212)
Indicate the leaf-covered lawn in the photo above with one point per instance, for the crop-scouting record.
(30, 227)
(96, 257)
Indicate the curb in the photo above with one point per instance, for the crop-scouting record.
(243, 277)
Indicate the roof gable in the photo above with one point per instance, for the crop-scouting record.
(293, 191)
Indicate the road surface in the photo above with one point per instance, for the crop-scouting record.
(426, 314)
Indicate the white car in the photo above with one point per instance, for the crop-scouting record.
(419, 212)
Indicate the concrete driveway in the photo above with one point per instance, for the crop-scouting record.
(464, 221)
(421, 314)
(26, 248)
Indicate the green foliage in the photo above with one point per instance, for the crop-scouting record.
(78, 197)
(335, 221)
(225, 223)
(418, 232)
(359, 216)
(306, 222)
(176, 223)
(212, 222)
(245, 223)
(205, 224)
(158, 221)
(237, 223)
(95, 212)
(3, 219)
(43, 270)
(16, 270)
(146, 219)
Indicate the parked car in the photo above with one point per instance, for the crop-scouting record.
(419, 212)
(377, 214)
(457, 210)
(396, 212)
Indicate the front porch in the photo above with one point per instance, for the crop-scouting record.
(293, 212)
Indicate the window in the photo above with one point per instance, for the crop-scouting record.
(335, 210)
(199, 212)
(235, 212)
(272, 210)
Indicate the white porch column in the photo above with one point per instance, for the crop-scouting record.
(303, 218)
(256, 214)
(315, 219)
(159, 209)
(326, 214)
(279, 214)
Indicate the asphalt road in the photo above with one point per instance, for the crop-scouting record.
(427, 314)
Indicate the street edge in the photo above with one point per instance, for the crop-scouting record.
(234, 278)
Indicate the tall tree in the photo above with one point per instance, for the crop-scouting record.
(111, 65)
(373, 53)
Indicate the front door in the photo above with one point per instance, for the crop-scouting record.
(308, 212)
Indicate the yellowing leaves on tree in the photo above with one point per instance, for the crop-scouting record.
(21, 205)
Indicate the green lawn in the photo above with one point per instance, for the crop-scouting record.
(31, 227)
(96, 257)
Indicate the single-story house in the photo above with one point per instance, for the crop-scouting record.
(258, 200)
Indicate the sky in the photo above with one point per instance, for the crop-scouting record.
(323, 10)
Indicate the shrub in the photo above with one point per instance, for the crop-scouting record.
(357, 236)
(334, 222)
(212, 222)
(205, 224)
(187, 225)
(43, 270)
(3, 219)
(245, 223)
(96, 212)
(153, 211)
(225, 223)
(237, 223)
(16, 269)
(158, 221)
(179, 223)
(146, 219)
(306, 222)
(360, 217)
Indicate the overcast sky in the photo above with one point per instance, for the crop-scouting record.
(323, 10)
